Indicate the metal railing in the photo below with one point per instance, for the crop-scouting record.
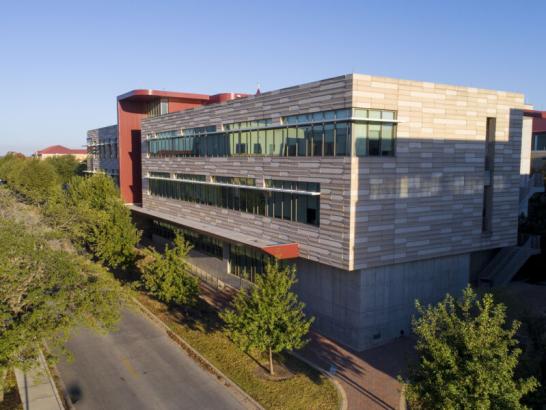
(220, 281)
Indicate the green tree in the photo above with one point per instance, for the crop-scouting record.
(34, 179)
(166, 275)
(99, 221)
(467, 357)
(67, 167)
(268, 317)
(44, 293)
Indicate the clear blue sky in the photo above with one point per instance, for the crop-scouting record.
(63, 63)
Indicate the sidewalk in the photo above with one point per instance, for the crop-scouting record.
(36, 388)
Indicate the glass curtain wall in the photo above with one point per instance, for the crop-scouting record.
(299, 206)
(323, 134)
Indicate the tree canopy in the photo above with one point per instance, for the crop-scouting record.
(66, 166)
(268, 316)
(467, 357)
(34, 179)
(44, 293)
(92, 212)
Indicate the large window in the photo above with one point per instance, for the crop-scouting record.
(345, 132)
(287, 200)
(200, 242)
(539, 142)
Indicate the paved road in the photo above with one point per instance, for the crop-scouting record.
(138, 367)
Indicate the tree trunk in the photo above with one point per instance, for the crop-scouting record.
(271, 370)
(3, 374)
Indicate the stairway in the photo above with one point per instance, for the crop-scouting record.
(506, 264)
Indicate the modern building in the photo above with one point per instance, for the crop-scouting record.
(381, 191)
(59, 150)
(102, 151)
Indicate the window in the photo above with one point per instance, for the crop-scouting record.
(487, 207)
(191, 177)
(328, 140)
(387, 143)
(366, 132)
(374, 134)
(164, 106)
(539, 142)
(291, 142)
(318, 133)
(342, 136)
(360, 136)
(235, 180)
(292, 201)
(490, 143)
(160, 175)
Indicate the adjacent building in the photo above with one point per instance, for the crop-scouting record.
(102, 151)
(381, 191)
(59, 150)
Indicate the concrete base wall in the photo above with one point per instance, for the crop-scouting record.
(370, 307)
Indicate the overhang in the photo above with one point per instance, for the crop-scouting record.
(539, 120)
(148, 94)
(278, 250)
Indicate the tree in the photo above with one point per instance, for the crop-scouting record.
(34, 179)
(268, 317)
(166, 275)
(467, 357)
(44, 293)
(101, 223)
(67, 166)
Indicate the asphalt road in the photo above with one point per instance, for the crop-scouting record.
(138, 367)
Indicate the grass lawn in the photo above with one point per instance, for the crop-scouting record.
(12, 401)
(306, 389)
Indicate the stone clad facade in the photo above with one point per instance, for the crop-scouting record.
(392, 228)
(427, 200)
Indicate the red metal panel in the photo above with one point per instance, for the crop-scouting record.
(283, 251)
(131, 109)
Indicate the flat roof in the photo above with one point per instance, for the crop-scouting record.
(142, 93)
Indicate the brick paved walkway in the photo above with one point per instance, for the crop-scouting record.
(368, 377)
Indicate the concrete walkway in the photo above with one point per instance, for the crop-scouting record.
(36, 388)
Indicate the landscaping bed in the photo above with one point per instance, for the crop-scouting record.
(305, 388)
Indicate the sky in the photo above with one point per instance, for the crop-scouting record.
(62, 63)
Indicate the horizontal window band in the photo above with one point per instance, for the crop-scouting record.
(287, 191)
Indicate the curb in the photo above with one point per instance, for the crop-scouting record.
(67, 401)
(58, 382)
(42, 370)
(343, 405)
(51, 381)
(243, 397)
